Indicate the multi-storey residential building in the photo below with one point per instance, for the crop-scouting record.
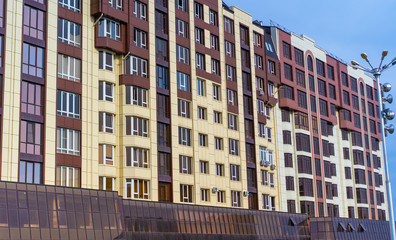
(177, 101)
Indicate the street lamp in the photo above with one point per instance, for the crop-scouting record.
(387, 114)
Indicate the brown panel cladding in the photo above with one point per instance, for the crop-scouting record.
(275, 78)
(69, 86)
(69, 50)
(184, 95)
(68, 160)
(232, 109)
(71, 123)
(126, 79)
(70, 15)
(111, 44)
(181, 67)
(102, 6)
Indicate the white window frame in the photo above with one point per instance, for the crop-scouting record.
(181, 25)
(220, 195)
(183, 81)
(184, 136)
(185, 190)
(106, 64)
(215, 66)
(204, 167)
(68, 73)
(140, 38)
(118, 4)
(104, 183)
(271, 67)
(269, 134)
(258, 61)
(73, 5)
(201, 113)
(213, 43)
(201, 91)
(130, 183)
(233, 147)
(219, 170)
(218, 143)
(268, 112)
(71, 27)
(230, 72)
(68, 100)
(217, 118)
(230, 96)
(270, 157)
(134, 63)
(181, 4)
(198, 36)
(105, 159)
(183, 54)
(212, 19)
(202, 140)
(134, 96)
(109, 28)
(228, 48)
(74, 172)
(105, 128)
(216, 92)
(68, 141)
(263, 153)
(266, 204)
(261, 107)
(205, 195)
(232, 121)
(271, 180)
(134, 131)
(185, 164)
(135, 161)
(235, 198)
(184, 110)
(264, 178)
(102, 88)
(199, 60)
(234, 172)
(261, 131)
(270, 89)
(140, 10)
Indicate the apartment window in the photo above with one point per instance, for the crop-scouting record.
(215, 66)
(183, 54)
(219, 169)
(233, 147)
(33, 25)
(136, 66)
(236, 198)
(202, 140)
(354, 86)
(137, 157)
(258, 61)
(183, 108)
(271, 67)
(217, 118)
(184, 136)
(218, 143)
(229, 48)
(228, 25)
(257, 39)
(230, 72)
(204, 195)
(216, 92)
(69, 32)
(162, 77)
(244, 33)
(163, 134)
(30, 172)
(323, 107)
(67, 176)
(288, 72)
(232, 121)
(291, 206)
(181, 28)
(139, 10)
(109, 28)
(200, 61)
(136, 126)
(183, 81)
(164, 164)
(264, 178)
(137, 188)
(213, 18)
(304, 164)
(68, 104)
(140, 38)
(161, 49)
(346, 153)
(69, 68)
(106, 154)
(186, 193)
(32, 98)
(199, 36)
(332, 91)
(320, 68)
(182, 5)
(163, 106)
(161, 22)
(106, 60)
(303, 142)
(259, 83)
(268, 202)
(204, 167)
(234, 172)
(134, 95)
(220, 196)
(201, 87)
(289, 183)
(246, 81)
(31, 138)
(302, 99)
(322, 87)
(214, 42)
(286, 137)
(33, 60)
(117, 4)
(299, 56)
(68, 141)
(269, 135)
(300, 78)
(231, 97)
(73, 5)
(286, 50)
(106, 183)
(106, 122)
(245, 58)
(288, 160)
(305, 187)
(185, 164)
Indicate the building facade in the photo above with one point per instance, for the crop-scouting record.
(186, 102)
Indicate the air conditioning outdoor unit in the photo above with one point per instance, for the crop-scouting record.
(215, 189)
(266, 163)
(245, 193)
(273, 166)
(261, 92)
(262, 162)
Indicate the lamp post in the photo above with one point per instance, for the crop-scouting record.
(387, 114)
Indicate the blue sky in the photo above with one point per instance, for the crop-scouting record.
(344, 28)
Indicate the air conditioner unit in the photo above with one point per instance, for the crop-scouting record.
(262, 162)
(245, 193)
(266, 163)
(273, 166)
(261, 92)
(215, 189)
